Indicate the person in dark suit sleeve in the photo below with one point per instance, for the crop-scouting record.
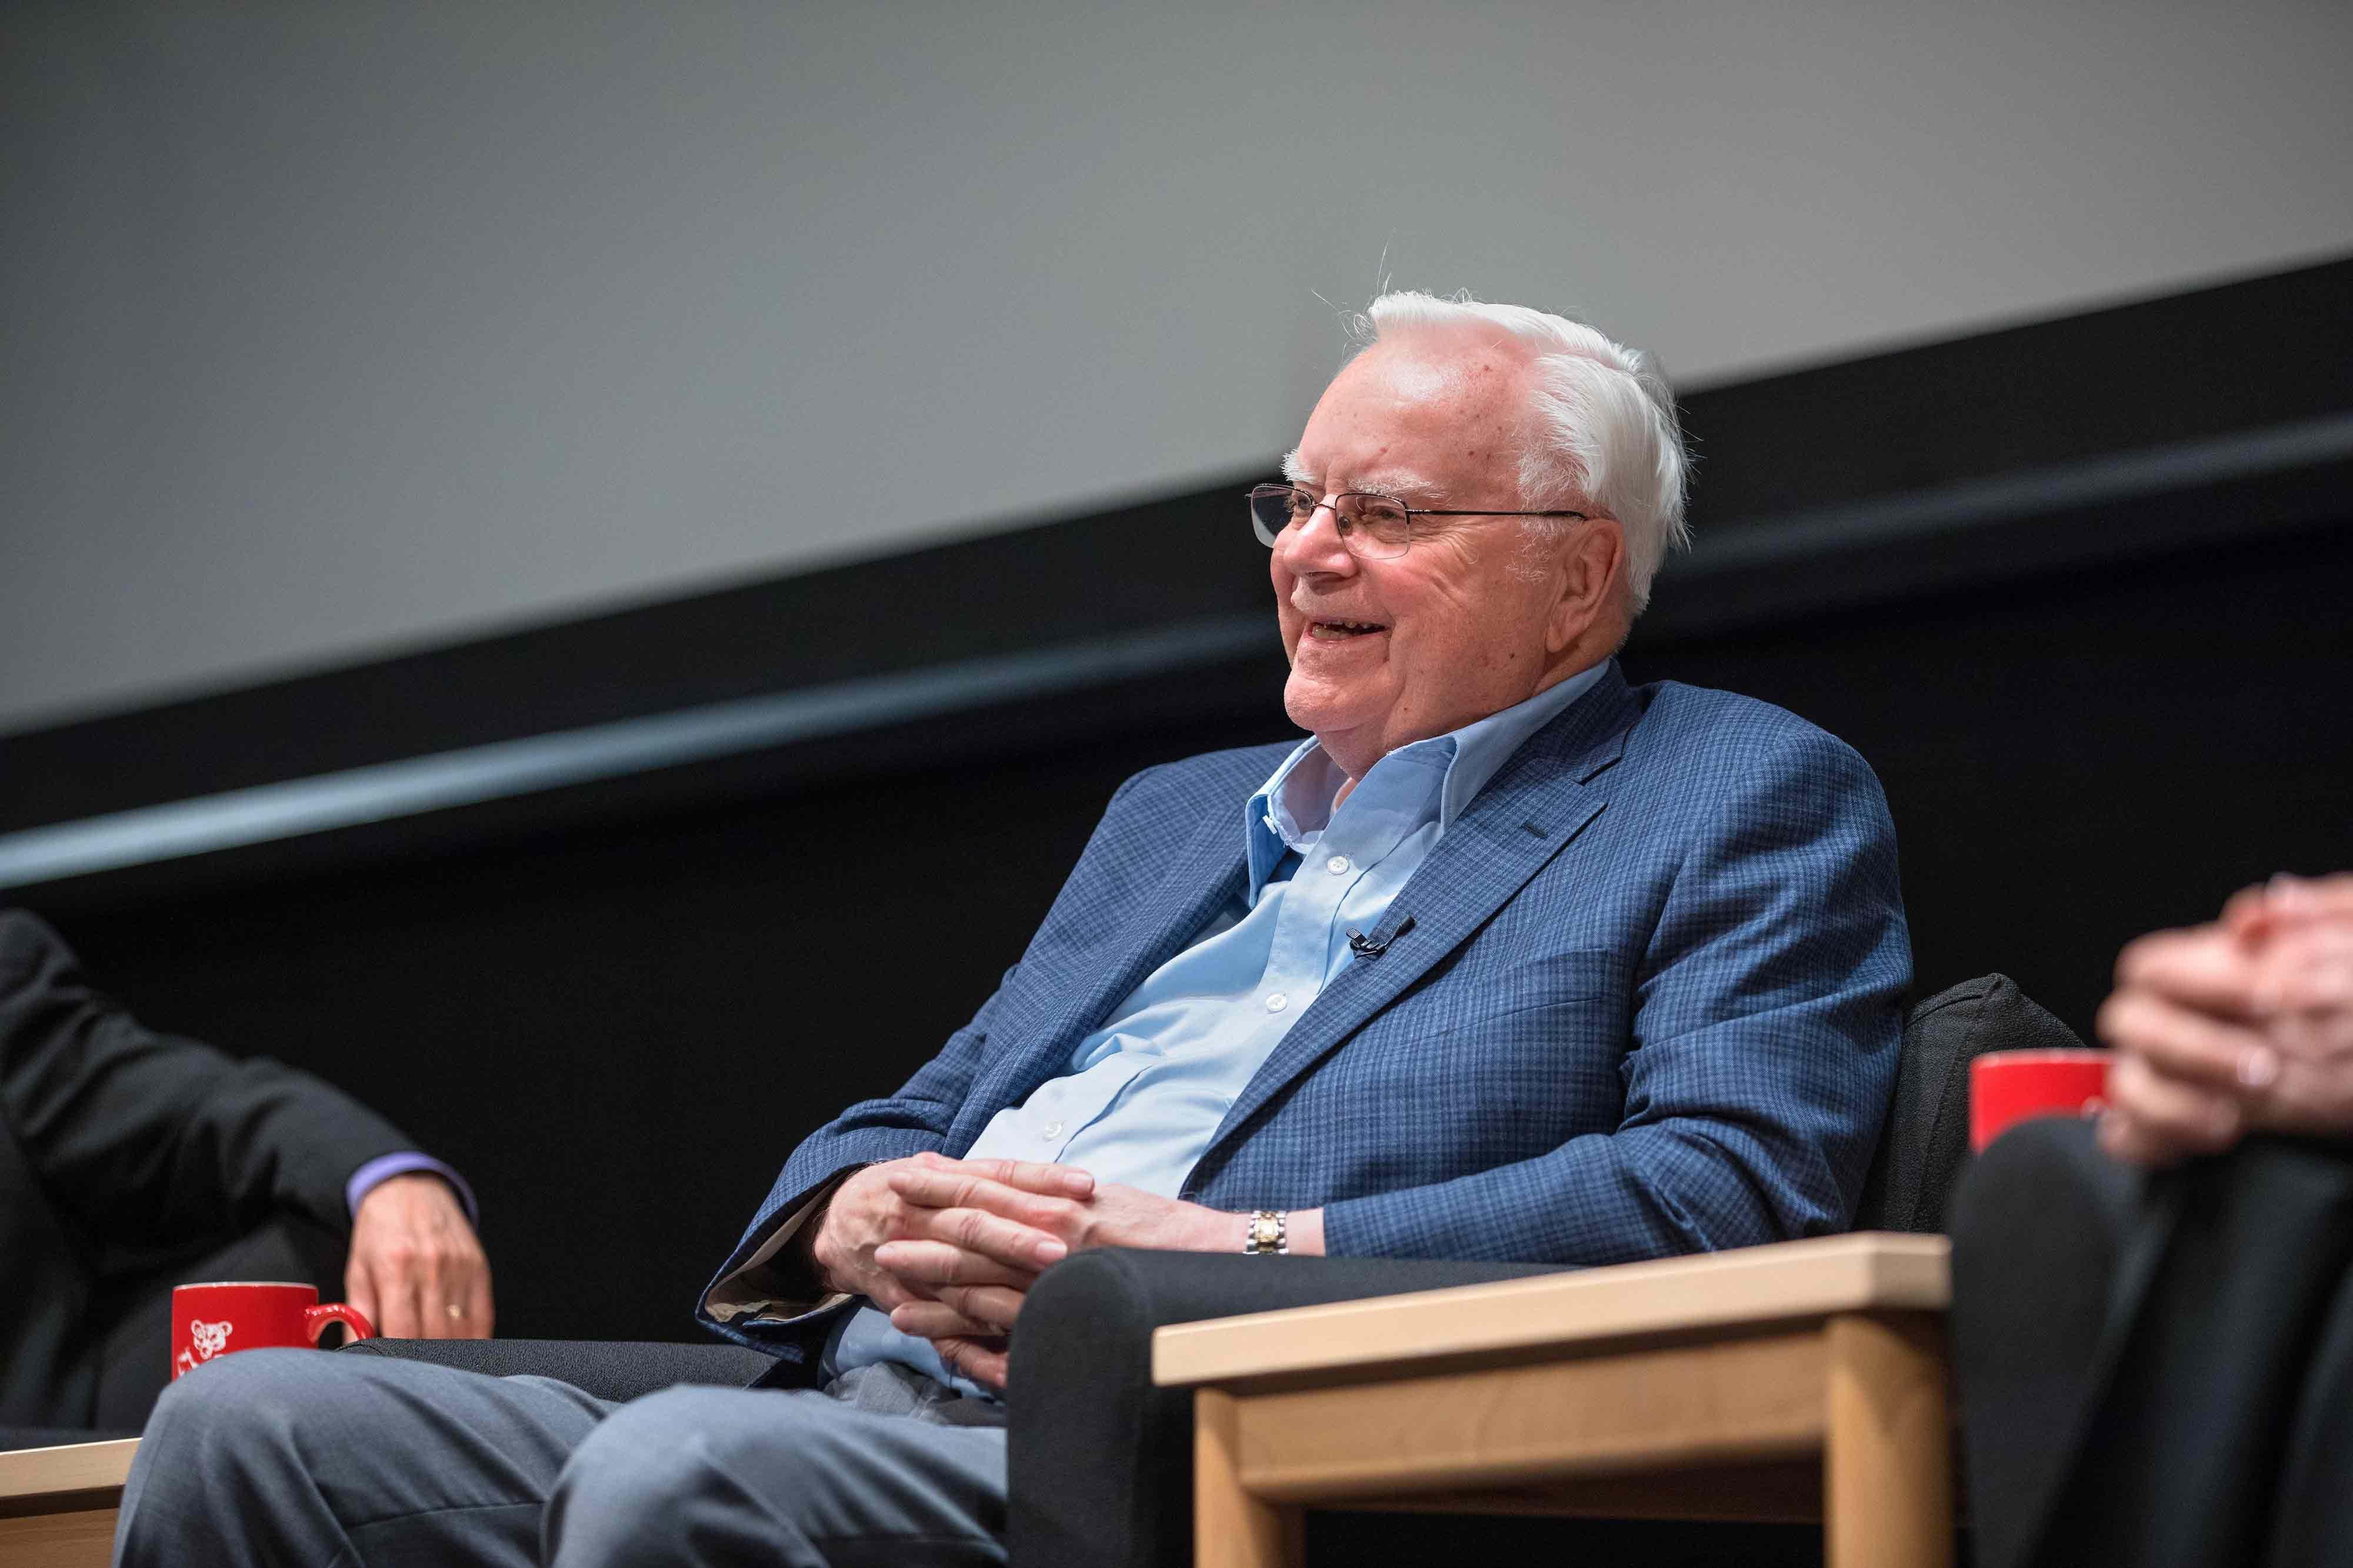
(2153, 1317)
(131, 1161)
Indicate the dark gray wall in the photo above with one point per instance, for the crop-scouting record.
(337, 329)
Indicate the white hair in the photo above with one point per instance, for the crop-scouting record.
(1602, 435)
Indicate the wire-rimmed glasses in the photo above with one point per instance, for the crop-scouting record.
(1374, 527)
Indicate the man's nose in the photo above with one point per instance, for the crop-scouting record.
(1314, 547)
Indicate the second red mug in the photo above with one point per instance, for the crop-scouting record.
(2008, 1086)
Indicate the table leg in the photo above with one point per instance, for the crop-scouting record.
(1231, 1528)
(1887, 1469)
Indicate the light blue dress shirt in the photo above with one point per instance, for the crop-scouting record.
(1144, 1095)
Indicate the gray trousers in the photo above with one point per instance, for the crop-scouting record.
(310, 1460)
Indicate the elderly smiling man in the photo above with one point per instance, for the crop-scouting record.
(1509, 961)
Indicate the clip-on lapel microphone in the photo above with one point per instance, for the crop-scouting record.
(1377, 944)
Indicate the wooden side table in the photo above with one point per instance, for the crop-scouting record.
(1804, 1380)
(58, 1505)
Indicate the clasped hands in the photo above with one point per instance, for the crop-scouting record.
(2242, 1025)
(950, 1248)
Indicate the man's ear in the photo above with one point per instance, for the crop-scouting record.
(1592, 569)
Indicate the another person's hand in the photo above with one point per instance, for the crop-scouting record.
(2305, 990)
(2243, 1025)
(415, 1269)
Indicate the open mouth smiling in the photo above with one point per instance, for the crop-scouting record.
(1340, 631)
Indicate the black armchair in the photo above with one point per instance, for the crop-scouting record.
(1927, 1138)
(1101, 1461)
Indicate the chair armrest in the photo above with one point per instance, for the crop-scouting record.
(616, 1370)
(1100, 1462)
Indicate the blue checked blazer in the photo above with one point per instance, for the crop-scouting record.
(1642, 998)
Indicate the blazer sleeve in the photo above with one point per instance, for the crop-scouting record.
(144, 1137)
(1767, 1015)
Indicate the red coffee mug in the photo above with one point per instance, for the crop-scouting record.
(210, 1321)
(2008, 1086)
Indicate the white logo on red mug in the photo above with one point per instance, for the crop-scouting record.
(257, 1316)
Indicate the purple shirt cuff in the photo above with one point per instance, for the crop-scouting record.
(383, 1167)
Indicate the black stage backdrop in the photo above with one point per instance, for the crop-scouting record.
(617, 1006)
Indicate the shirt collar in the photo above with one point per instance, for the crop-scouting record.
(1482, 747)
(1292, 809)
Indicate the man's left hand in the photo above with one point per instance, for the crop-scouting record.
(415, 1269)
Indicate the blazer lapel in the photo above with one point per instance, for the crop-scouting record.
(1528, 813)
(1206, 872)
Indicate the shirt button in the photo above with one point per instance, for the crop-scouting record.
(1277, 1002)
(1051, 1130)
(1337, 865)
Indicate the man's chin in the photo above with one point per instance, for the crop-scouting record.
(1319, 710)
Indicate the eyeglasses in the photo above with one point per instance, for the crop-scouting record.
(1372, 527)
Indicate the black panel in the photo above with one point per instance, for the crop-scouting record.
(2268, 351)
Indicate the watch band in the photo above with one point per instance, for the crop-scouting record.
(1269, 1234)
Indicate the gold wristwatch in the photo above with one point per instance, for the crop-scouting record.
(1270, 1233)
